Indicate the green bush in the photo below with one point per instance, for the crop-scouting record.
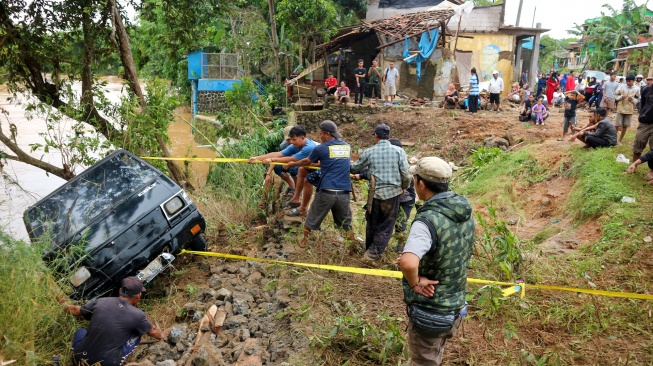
(33, 326)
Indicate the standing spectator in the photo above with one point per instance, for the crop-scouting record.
(563, 82)
(496, 88)
(609, 88)
(375, 75)
(524, 78)
(597, 95)
(551, 86)
(472, 99)
(330, 84)
(571, 81)
(388, 169)
(604, 134)
(334, 186)
(639, 81)
(571, 102)
(391, 80)
(627, 97)
(299, 148)
(435, 260)
(541, 85)
(115, 328)
(644, 134)
(343, 93)
(359, 73)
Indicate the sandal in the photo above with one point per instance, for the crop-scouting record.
(295, 213)
(292, 204)
(290, 192)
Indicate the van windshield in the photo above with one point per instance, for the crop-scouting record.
(79, 202)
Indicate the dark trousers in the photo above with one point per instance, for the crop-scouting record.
(472, 103)
(127, 348)
(380, 225)
(405, 208)
(360, 90)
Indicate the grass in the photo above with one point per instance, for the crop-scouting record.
(33, 327)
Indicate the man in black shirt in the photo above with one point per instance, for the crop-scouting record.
(571, 102)
(360, 72)
(115, 328)
(604, 135)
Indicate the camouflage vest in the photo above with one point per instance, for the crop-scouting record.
(446, 261)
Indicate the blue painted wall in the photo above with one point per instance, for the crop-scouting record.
(216, 84)
(195, 65)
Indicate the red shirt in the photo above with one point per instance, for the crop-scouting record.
(331, 82)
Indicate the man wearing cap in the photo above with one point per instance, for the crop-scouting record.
(334, 185)
(299, 148)
(496, 88)
(115, 328)
(359, 73)
(435, 259)
(627, 96)
(389, 167)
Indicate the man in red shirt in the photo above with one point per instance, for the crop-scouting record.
(330, 84)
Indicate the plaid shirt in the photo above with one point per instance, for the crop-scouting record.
(388, 163)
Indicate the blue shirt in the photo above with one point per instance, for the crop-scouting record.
(299, 153)
(334, 158)
(473, 82)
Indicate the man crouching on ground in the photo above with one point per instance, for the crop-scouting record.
(434, 262)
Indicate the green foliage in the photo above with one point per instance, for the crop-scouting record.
(352, 333)
(34, 327)
(306, 17)
(499, 245)
(480, 158)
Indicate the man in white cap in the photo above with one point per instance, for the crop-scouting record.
(496, 88)
(115, 328)
(434, 263)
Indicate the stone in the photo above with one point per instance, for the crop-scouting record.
(648, 239)
(166, 363)
(495, 142)
(145, 362)
(198, 316)
(244, 334)
(207, 355)
(206, 295)
(282, 296)
(508, 136)
(228, 307)
(215, 282)
(546, 201)
(241, 307)
(177, 333)
(289, 222)
(224, 294)
(162, 351)
(235, 321)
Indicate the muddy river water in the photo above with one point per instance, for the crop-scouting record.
(22, 185)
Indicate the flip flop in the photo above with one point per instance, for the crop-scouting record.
(292, 204)
(295, 213)
(290, 192)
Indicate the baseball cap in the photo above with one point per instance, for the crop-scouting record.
(131, 286)
(649, 78)
(286, 132)
(495, 72)
(331, 128)
(382, 130)
(432, 169)
(640, 76)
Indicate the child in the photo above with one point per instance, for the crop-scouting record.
(343, 93)
(558, 98)
(571, 102)
(539, 109)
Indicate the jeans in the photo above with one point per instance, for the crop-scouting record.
(380, 225)
(127, 348)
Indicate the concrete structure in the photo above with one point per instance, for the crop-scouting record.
(211, 74)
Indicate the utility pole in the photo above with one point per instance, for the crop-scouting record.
(521, 2)
(533, 23)
(536, 55)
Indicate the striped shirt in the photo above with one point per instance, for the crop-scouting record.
(389, 165)
(473, 82)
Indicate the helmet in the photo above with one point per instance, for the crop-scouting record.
(640, 76)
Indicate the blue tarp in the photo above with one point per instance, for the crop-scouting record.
(425, 49)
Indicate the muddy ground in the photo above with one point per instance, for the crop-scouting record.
(279, 315)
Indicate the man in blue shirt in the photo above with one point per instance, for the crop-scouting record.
(333, 189)
(388, 166)
(300, 147)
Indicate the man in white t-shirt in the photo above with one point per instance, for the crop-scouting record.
(390, 79)
(496, 87)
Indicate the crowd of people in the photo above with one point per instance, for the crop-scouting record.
(368, 84)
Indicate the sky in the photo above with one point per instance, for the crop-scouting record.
(559, 15)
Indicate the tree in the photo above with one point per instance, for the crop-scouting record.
(39, 36)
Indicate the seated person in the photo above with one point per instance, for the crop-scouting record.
(526, 91)
(604, 135)
(330, 84)
(485, 102)
(558, 98)
(545, 114)
(590, 126)
(527, 107)
(646, 158)
(342, 93)
(299, 148)
(450, 97)
(515, 93)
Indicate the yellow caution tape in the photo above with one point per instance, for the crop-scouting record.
(218, 160)
(513, 287)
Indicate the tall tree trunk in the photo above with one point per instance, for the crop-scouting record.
(275, 40)
(121, 42)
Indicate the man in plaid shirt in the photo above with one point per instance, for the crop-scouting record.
(389, 166)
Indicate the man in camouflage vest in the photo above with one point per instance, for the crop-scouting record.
(436, 256)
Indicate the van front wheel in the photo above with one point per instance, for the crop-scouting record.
(198, 244)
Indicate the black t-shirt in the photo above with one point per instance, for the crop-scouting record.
(113, 322)
(361, 71)
(528, 105)
(570, 111)
(335, 160)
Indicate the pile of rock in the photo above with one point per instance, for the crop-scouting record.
(504, 142)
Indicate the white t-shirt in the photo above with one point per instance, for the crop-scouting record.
(496, 85)
(558, 94)
(419, 239)
(391, 76)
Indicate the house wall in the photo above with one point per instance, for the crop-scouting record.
(484, 19)
(376, 13)
(490, 52)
